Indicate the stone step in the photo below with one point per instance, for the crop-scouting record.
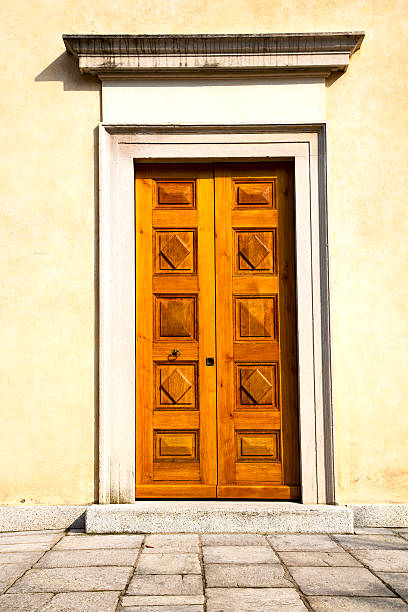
(218, 517)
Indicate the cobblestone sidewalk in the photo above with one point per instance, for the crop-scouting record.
(58, 571)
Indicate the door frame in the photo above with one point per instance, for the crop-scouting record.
(119, 146)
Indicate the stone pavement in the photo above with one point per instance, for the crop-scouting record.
(63, 571)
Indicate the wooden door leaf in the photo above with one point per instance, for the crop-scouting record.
(256, 333)
(176, 420)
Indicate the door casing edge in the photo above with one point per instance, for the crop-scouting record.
(119, 146)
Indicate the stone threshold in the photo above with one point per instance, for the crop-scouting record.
(218, 517)
(205, 517)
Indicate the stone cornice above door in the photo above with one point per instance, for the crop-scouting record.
(215, 55)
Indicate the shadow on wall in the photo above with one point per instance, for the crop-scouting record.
(330, 80)
(65, 69)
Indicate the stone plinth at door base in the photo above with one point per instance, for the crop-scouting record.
(217, 517)
(380, 515)
(35, 518)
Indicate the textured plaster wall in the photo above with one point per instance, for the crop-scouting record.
(48, 235)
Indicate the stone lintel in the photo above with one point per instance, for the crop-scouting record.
(124, 55)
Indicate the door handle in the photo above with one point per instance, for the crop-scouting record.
(175, 353)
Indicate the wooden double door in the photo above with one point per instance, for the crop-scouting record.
(216, 380)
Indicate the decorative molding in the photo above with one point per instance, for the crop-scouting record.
(124, 55)
(120, 146)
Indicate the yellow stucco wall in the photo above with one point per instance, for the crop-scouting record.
(48, 234)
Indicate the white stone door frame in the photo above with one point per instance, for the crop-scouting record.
(119, 147)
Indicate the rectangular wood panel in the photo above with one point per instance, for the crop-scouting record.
(175, 445)
(254, 192)
(175, 317)
(175, 193)
(263, 446)
(255, 317)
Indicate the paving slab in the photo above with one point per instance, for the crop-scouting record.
(10, 572)
(163, 600)
(233, 539)
(165, 585)
(404, 534)
(353, 581)
(83, 558)
(317, 558)
(29, 539)
(168, 563)
(29, 547)
(397, 581)
(6, 534)
(20, 557)
(254, 600)
(367, 542)
(77, 542)
(164, 609)
(239, 554)
(384, 560)
(268, 575)
(304, 542)
(72, 579)
(374, 531)
(83, 602)
(357, 604)
(24, 602)
(170, 543)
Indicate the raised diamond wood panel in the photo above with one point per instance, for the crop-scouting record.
(175, 252)
(175, 445)
(257, 385)
(175, 386)
(255, 252)
(255, 318)
(176, 194)
(253, 446)
(175, 317)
